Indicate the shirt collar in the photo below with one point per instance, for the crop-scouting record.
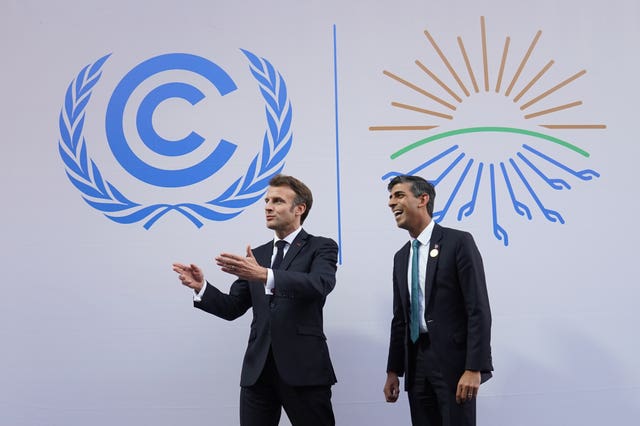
(289, 238)
(425, 235)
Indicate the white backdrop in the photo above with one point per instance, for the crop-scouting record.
(94, 326)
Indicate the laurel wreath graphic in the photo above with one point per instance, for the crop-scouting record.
(247, 189)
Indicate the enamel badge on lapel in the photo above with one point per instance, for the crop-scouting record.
(434, 252)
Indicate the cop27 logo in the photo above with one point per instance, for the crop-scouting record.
(100, 194)
(520, 176)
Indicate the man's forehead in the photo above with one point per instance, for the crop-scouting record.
(401, 187)
(280, 191)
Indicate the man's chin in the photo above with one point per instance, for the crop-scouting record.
(401, 224)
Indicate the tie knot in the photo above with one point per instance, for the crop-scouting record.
(415, 244)
(280, 244)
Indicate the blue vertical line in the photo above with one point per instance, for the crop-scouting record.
(335, 94)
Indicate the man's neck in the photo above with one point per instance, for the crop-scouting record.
(282, 234)
(415, 233)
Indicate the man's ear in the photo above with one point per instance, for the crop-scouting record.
(424, 199)
(300, 209)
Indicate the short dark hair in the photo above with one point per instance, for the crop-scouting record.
(302, 191)
(419, 186)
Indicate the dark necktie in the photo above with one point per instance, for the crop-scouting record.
(280, 245)
(414, 325)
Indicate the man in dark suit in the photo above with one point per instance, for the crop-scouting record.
(441, 326)
(285, 282)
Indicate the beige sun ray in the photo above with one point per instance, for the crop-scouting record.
(437, 80)
(533, 81)
(419, 90)
(446, 62)
(422, 110)
(374, 128)
(486, 74)
(555, 109)
(468, 64)
(503, 62)
(574, 126)
(485, 60)
(553, 89)
(523, 63)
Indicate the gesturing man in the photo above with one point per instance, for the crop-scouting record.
(441, 326)
(285, 282)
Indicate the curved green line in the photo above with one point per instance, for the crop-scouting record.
(488, 129)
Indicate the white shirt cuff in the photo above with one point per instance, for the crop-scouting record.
(271, 282)
(198, 296)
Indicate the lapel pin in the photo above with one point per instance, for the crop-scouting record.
(434, 251)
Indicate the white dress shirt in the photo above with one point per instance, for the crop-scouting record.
(423, 257)
(270, 284)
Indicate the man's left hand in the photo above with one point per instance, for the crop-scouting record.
(244, 267)
(468, 386)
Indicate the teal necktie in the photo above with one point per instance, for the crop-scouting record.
(414, 325)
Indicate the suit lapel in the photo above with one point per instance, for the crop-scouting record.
(295, 247)
(432, 263)
(263, 254)
(263, 257)
(403, 282)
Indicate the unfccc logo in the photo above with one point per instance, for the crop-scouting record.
(102, 195)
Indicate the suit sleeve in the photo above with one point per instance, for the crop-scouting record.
(476, 301)
(395, 361)
(226, 306)
(315, 277)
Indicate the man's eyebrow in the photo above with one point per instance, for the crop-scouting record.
(274, 198)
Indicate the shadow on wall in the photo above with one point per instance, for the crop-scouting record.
(572, 380)
(360, 361)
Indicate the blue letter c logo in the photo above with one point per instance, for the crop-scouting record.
(115, 112)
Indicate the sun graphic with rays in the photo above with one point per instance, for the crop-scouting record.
(516, 179)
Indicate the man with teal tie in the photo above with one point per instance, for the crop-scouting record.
(441, 326)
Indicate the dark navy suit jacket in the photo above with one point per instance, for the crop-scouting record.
(289, 322)
(456, 308)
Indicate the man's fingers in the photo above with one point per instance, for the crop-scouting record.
(185, 269)
(226, 262)
(178, 267)
(188, 274)
(391, 395)
(465, 393)
(391, 389)
(196, 272)
(229, 256)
